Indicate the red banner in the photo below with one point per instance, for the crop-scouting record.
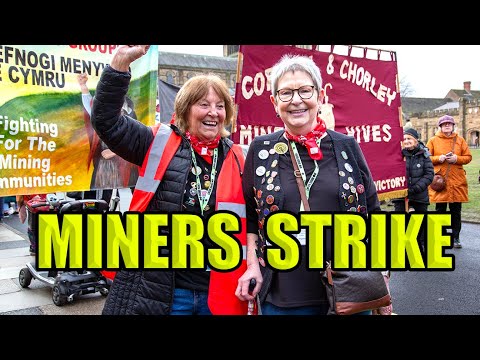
(361, 100)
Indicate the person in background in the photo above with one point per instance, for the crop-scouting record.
(408, 125)
(109, 170)
(200, 171)
(335, 175)
(419, 175)
(2, 201)
(449, 152)
(22, 200)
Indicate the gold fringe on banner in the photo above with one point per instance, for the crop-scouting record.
(393, 195)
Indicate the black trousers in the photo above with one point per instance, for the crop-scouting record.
(455, 209)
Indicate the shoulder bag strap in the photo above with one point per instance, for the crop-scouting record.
(298, 177)
(453, 148)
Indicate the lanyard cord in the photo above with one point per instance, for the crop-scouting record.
(204, 195)
(308, 185)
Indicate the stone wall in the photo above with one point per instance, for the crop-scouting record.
(467, 119)
(180, 75)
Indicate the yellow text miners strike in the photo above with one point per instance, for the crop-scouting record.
(133, 240)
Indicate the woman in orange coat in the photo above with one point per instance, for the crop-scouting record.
(449, 153)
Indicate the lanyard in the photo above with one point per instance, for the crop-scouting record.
(204, 195)
(308, 185)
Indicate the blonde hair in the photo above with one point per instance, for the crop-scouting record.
(197, 88)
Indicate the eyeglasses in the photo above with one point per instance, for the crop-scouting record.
(305, 92)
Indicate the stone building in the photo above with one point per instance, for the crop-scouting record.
(176, 69)
(462, 104)
(423, 113)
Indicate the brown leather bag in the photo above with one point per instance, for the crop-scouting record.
(351, 292)
(439, 182)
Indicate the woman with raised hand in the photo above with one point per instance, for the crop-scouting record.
(188, 165)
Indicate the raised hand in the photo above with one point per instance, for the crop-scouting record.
(82, 81)
(126, 54)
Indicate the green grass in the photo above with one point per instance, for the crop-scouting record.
(470, 210)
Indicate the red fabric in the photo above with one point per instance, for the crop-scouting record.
(310, 140)
(34, 199)
(363, 97)
(221, 298)
(93, 138)
(173, 119)
(141, 199)
(221, 290)
(108, 274)
(203, 148)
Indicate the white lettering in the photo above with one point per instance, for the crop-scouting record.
(358, 75)
(390, 184)
(367, 133)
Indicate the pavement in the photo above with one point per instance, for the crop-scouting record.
(36, 299)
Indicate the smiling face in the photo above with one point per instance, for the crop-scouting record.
(299, 115)
(206, 116)
(409, 142)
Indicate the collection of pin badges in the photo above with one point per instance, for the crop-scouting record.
(351, 190)
(265, 197)
(193, 192)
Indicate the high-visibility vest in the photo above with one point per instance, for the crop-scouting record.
(163, 146)
(159, 155)
(221, 290)
(221, 296)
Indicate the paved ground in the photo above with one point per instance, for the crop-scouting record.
(37, 298)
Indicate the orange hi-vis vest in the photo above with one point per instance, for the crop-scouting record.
(221, 290)
(164, 146)
(221, 294)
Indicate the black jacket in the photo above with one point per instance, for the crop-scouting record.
(344, 147)
(140, 292)
(419, 174)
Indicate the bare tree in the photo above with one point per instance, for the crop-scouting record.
(406, 88)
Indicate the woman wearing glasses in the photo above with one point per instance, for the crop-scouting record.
(334, 173)
(449, 153)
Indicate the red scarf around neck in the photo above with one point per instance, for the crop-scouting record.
(310, 140)
(203, 148)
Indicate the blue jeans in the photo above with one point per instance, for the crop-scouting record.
(190, 302)
(270, 309)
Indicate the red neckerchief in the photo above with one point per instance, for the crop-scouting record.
(310, 140)
(203, 148)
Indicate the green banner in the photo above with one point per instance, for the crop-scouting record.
(47, 143)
